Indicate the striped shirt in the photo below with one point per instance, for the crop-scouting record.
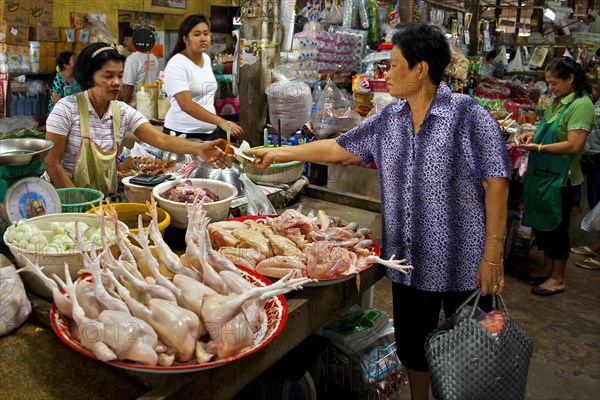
(65, 120)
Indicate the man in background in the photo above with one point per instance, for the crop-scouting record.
(140, 69)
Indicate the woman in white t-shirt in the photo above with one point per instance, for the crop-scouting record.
(191, 85)
(87, 127)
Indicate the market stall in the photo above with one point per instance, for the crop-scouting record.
(34, 344)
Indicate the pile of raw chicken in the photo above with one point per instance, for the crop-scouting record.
(314, 246)
(169, 310)
(173, 310)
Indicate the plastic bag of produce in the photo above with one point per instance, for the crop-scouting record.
(334, 113)
(14, 304)
(289, 102)
(18, 124)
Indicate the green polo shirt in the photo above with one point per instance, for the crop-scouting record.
(579, 116)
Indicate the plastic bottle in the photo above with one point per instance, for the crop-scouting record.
(28, 107)
(21, 104)
(37, 107)
(316, 95)
(14, 103)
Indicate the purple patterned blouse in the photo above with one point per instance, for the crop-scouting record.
(432, 198)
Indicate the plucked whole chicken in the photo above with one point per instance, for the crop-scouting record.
(187, 310)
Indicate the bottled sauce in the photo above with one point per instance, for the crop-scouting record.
(163, 102)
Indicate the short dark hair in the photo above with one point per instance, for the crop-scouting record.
(563, 67)
(63, 59)
(424, 42)
(128, 32)
(185, 27)
(88, 62)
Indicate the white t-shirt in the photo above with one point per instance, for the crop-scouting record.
(182, 74)
(135, 68)
(64, 119)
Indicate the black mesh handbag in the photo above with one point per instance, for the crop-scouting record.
(467, 362)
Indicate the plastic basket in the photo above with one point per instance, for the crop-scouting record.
(79, 200)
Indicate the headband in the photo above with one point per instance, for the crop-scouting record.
(114, 47)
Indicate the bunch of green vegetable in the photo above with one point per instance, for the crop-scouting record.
(29, 236)
(23, 133)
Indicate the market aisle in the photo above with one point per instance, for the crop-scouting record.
(565, 328)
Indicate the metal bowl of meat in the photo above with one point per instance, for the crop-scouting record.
(172, 197)
(23, 151)
(229, 175)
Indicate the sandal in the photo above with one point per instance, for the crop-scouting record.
(584, 251)
(589, 263)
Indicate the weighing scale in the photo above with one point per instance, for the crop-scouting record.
(22, 193)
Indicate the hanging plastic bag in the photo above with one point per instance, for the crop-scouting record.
(380, 103)
(289, 102)
(258, 202)
(14, 304)
(516, 65)
(334, 113)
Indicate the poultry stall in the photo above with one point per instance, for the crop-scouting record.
(307, 311)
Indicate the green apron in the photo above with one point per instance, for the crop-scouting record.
(543, 180)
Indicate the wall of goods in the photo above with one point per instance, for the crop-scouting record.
(34, 32)
(334, 39)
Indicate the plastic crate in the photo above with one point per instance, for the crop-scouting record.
(79, 200)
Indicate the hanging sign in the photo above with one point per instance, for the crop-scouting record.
(170, 3)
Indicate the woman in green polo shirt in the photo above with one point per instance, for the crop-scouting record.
(553, 168)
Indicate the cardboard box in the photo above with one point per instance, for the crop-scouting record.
(41, 33)
(62, 47)
(8, 48)
(44, 48)
(51, 64)
(12, 11)
(38, 12)
(11, 33)
(77, 47)
(51, 49)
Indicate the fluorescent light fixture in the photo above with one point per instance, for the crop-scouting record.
(550, 14)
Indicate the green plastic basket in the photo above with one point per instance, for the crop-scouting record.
(79, 200)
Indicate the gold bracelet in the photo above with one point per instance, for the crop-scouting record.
(492, 263)
(539, 148)
(492, 236)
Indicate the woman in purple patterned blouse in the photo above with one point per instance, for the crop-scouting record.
(444, 176)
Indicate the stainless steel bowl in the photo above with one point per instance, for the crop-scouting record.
(228, 175)
(23, 151)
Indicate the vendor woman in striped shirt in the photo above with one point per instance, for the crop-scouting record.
(86, 127)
